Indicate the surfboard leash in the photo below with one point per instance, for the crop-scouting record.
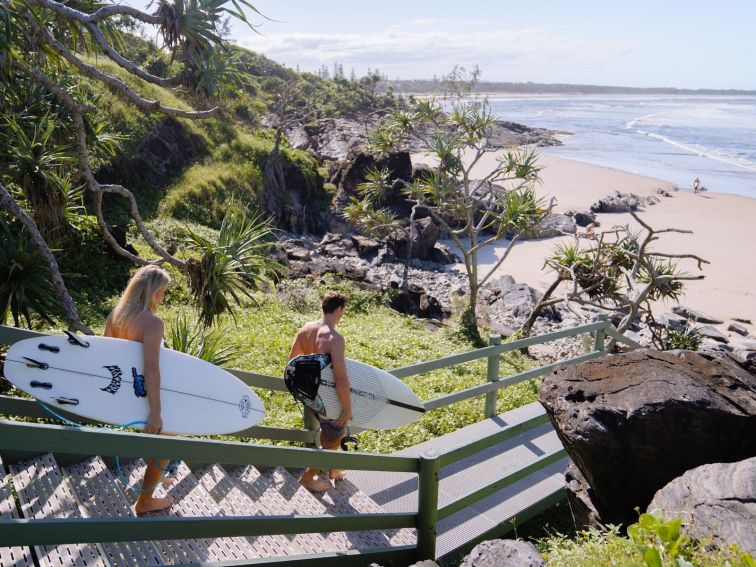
(169, 469)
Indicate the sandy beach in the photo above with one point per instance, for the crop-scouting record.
(724, 232)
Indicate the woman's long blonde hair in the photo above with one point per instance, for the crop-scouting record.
(139, 296)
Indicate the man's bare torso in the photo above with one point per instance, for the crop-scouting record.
(317, 337)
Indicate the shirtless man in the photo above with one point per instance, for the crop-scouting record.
(320, 338)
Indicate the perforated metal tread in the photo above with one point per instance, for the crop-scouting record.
(275, 494)
(45, 493)
(347, 495)
(397, 492)
(192, 500)
(346, 498)
(229, 496)
(101, 497)
(11, 556)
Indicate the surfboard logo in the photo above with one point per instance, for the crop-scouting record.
(115, 380)
(245, 406)
(140, 391)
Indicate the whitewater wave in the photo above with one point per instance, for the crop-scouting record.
(701, 151)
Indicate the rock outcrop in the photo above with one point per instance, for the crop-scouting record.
(622, 203)
(635, 421)
(503, 552)
(716, 500)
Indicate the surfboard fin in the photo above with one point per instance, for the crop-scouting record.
(36, 363)
(76, 340)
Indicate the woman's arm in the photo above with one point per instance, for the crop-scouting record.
(152, 339)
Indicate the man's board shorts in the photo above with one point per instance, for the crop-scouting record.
(303, 380)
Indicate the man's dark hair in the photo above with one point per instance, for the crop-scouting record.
(332, 301)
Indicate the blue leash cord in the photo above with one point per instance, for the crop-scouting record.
(169, 469)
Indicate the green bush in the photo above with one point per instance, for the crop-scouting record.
(653, 542)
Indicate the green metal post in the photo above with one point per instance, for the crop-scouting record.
(598, 344)
(493, 376)
(427, 506)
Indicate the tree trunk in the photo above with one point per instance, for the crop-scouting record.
(408, 259)
(528, 325)
(74, 321)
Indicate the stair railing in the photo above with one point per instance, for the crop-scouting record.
(18, 439)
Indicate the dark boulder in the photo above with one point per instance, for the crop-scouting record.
(424, 238)
(583, 218)
(514, 299)
(717, 500)
(635, 421)
(503, 552)
(418, 302)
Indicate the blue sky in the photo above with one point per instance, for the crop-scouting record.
(693, 44)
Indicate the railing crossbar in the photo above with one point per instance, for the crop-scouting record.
(58, 531)
(508, 381)
(454, 359)
(42, 438)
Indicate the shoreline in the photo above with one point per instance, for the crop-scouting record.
(724, 232)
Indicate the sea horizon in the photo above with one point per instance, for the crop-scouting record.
(674, 138)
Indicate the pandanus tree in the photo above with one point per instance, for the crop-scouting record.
(474, 208)
(53, 145)
(620, 272)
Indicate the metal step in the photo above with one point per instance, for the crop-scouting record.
(275, 494)
(397, 492)
(229, 496)
(192, 500)
(101, 497)
(346, 498)
(45, 493)
(11, 556)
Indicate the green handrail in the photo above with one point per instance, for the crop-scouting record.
(39, 438)
(481, 389)
(43, 438)
(92, 530)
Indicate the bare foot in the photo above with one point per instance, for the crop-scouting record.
(315, 485)
(337, 475)
(167, 480)
(152, 505)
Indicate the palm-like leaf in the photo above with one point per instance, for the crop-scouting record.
(25, 284)
(203, 344)
(231, 268)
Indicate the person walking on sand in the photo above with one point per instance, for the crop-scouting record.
(696, 185)
(321, 340)
(135, 319)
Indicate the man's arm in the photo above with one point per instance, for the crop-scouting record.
(338, 360)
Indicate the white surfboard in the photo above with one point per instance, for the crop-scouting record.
(379, 400)
(104, 381)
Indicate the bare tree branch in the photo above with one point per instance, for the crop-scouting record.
(74, 321)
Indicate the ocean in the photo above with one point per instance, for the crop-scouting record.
(675, 138)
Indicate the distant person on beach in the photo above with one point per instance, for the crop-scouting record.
(325, 346)
(696, 185)
(135, 319)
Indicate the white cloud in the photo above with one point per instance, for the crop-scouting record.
(418, 50)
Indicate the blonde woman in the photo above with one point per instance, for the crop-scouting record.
(135, 319)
